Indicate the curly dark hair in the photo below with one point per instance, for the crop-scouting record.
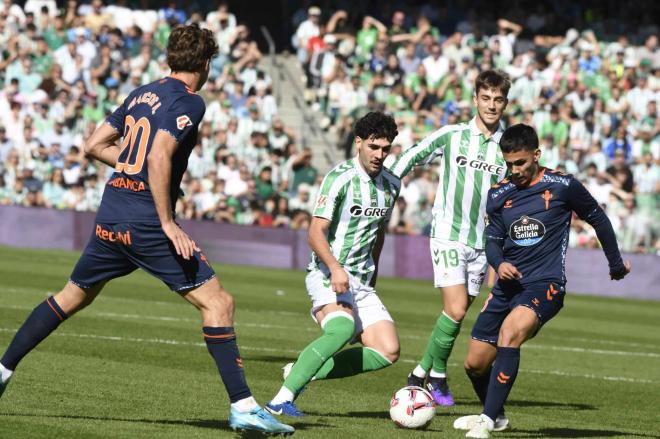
(190, 47)
(377, 125)
(519, 137)
(495, 78)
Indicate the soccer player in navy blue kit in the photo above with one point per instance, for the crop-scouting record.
(529, 217)
(135, 228)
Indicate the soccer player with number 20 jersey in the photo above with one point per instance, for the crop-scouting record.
(135, 228)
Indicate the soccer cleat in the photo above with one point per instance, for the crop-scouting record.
(414, 380)
(467, 422)
(258, 420)
(440, 391)
(3, 386)
(481, 428)
(287, 408)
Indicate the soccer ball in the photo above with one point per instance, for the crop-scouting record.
(412, 407)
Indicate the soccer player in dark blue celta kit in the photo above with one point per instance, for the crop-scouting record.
(529, 217)
(135, 228)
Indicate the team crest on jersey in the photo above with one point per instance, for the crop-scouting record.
(526, 231)
(357, 210)
(183, 121)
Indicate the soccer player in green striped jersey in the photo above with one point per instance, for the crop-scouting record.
(346, 235)
(470, 163)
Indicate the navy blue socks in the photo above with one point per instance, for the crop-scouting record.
(43, 320)
(502, 377)
(221, 343)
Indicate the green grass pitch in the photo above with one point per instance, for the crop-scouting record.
(134, 364)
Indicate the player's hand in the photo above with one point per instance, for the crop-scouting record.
(185, 247)
(507, 271)
(339, 280)
(622, 274)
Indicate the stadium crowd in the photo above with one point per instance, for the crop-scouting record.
(592, 99)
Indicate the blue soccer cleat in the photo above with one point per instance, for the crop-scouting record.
(258, 420)
(286, 408)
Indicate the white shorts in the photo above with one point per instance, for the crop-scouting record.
(366, 305)
(458, 264)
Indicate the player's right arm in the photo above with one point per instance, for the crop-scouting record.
(423, 152)
(495, 236)
(102, 145)
(318, 241)
(331, 195)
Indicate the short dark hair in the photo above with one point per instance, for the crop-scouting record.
(190, 47)
(519, 137)
(494, 78)
(377, 125)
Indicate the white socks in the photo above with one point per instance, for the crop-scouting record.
(5, 373)
(435, 374)
(419, 372)
(245, 405)
(283, 396)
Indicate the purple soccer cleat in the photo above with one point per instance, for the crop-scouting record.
(440, 391)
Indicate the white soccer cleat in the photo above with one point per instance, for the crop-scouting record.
(467, 422)
(482, 428)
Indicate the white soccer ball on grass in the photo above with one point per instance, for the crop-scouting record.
(412, 407)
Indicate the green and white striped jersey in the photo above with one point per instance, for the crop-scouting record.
(356, 206)
(470, 164)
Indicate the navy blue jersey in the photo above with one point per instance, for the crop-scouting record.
(168, 105)
(528, 227)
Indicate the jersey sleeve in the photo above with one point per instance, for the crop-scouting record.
(422, 153)
(495, 232)
(183, 116)
(116, 118)
(587, 208)
(330, 196)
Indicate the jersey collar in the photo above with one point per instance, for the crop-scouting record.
(362, 173)
(474, 130)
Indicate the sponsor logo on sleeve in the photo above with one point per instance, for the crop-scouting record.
(526, 231)
(183, 121)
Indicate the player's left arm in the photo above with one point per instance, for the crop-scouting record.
(587, 209)
(180, 120)
(102, 145)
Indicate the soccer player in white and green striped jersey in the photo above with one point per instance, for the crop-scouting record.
(346, 235)
(470, 163)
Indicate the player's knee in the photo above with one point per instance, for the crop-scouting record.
(455, 311)
(392, 352)
(340, 326)
(475, 366)
(220, 304)
(511, 337)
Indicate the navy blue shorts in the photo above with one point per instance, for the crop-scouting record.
(544, 298)
(115, 250)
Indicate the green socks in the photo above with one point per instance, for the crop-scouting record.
(440, 344)
(338, 329)
(351, 362)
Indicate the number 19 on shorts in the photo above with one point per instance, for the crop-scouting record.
(448, 258)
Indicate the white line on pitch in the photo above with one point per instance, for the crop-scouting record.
(295, 352)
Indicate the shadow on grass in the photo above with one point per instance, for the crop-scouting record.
(215, 424)
(572, 432)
